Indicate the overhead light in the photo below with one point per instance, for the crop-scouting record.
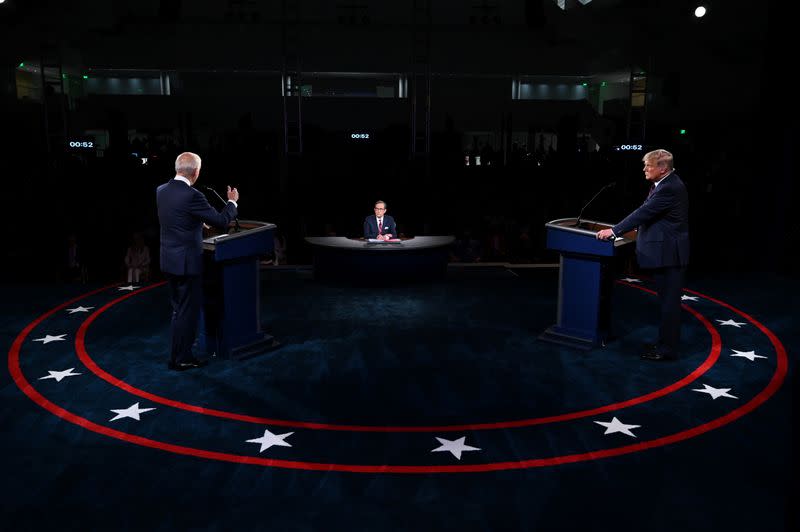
(700, 11)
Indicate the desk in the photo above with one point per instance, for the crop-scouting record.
(422, 257)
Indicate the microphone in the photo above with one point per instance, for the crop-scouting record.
(236, 219)
(610, 185)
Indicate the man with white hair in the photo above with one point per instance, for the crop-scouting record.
(182, 210)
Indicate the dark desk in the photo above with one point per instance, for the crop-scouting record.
(422, 257)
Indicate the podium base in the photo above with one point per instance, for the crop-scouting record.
(267, 343)
(552, 335)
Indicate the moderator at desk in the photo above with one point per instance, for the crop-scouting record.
(419, 258)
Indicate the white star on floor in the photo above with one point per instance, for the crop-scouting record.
(749, 355)
(615, 425)
(732, 323)
(269, 439)
(631, 280)
(130, 287)
(454, 446)
(715, 392)
(132, 412)
(47, 339)
(79, 309)
(684, 297)
(58, 375)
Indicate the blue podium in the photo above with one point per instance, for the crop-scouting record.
(230, 323)
(584, 282)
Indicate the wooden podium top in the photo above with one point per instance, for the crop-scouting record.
(590, 228)
(214, 236)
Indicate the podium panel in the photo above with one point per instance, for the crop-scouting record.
(230, 324)
(583, 318)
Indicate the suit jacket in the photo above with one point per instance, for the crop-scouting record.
(371, 226)
(181, 212)
(663, 222)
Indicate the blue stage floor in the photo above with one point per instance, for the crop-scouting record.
(428, 406)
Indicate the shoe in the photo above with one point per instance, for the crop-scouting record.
(658, 356)
(187, 364)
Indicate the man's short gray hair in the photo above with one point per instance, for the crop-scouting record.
(186, 164)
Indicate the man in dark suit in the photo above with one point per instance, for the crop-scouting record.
(662, 244)
(380, 225)
(182, 210)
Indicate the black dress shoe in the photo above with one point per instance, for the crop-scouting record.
(658, 356)
(183, 365)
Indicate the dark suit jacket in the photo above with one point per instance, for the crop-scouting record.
(371, 226)
(181, 212)
(663, 222)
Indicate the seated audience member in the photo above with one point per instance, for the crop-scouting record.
(73, 266)
(280, 250)
(380, 225)
(137, 259)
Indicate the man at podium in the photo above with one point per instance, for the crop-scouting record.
(662, 244)
(380, 226)
(182, 210)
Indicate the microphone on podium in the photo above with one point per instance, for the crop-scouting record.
(610, 185)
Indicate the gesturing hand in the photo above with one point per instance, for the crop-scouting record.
(233, 194)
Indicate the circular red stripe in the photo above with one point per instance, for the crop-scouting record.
(80, 347)
(772, 387)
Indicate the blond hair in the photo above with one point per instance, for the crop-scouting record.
(660, 157)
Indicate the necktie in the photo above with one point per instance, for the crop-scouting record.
(652, 189)
(380, 226)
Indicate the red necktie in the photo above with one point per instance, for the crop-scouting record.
(380, 227)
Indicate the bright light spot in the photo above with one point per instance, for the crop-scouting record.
(700, 11)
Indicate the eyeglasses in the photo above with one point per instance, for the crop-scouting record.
(380, 208)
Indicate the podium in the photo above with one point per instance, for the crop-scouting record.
(584, 282)
(230, 323)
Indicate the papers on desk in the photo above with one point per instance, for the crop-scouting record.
(390, 241)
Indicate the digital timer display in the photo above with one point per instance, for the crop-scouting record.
(628, 147)
(81, 144)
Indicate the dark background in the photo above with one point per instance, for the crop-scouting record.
(721, 78)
